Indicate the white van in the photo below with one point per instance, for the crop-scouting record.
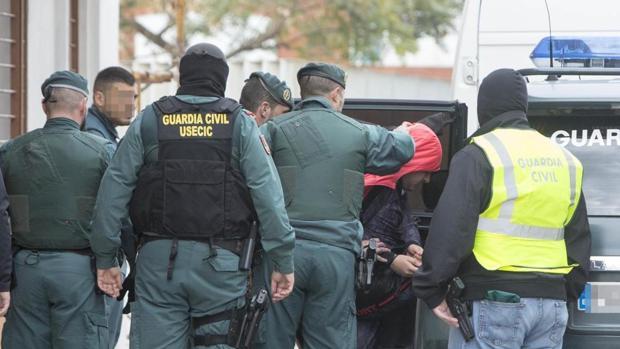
(503, 34)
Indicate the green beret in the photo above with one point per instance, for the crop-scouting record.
(276, 88)
(65, 79)
(325, 70)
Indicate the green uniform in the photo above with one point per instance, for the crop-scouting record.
(52, 176)
(322, 156)
(98, 124)
(205, 280)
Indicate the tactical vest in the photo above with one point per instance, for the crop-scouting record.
(321, 157)
(535, 190)
(192, 191)
(52, 180)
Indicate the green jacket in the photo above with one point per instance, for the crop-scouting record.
(248, 155)
(322, 156)
(52, 175)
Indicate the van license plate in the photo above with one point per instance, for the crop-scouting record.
(600, 298)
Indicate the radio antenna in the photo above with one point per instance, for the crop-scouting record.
(550, 36)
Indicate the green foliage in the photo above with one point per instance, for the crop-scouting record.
(351, 30)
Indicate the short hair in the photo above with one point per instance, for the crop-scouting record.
(64, 100)
(112, 75)
(312, 85)
(254, 93)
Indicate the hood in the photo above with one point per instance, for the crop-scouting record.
(502, 91)
(427, 157)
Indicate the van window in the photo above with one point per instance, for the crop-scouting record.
(594, 138)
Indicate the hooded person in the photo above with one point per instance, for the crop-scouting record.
(519, 242)
(386, 217)
(196, 175)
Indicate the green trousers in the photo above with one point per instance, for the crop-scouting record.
(54, 304)
(205, 281)
(322, 302)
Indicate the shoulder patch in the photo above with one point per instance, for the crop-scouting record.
(263, 141)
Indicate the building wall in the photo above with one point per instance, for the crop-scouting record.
(362, 82)
(48, 44)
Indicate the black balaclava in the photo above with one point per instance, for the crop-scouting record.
(501, 91)
(203, 71)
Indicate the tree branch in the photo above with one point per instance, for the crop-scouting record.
(257, 41)
(155, 38)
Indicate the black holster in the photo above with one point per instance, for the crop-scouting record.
(459, 308)
(243, 324)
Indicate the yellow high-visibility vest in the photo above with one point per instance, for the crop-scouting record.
(535, 190)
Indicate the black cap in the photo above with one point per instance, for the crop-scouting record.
(325, 70)
(280, 92)
(65, 79)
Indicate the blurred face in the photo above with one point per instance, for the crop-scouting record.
(117, 102)
(264, 112)
(410, 180)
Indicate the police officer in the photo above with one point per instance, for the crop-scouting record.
(114, 95)
(322, 156)
(194, 173)
(512, 223)
(265, 96)
(113, 105)
(52, 175)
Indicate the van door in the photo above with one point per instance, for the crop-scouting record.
(449, 120)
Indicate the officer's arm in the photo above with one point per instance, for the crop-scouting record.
(5, 240)
(453, 227)
(113, 197)
(578, 243)
(277, 235)
(387, 150)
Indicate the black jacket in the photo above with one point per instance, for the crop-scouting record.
(448, 249)
(5, 240)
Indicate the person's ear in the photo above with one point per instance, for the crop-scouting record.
(265, 110)
(99, 98)
(84, 107)
(44, 106)
(334, 97)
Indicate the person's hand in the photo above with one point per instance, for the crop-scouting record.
(405, 265)
(416, 252)
(443, 313)
(109, 281)
(5, 301)
(281, 285)
(404, 127)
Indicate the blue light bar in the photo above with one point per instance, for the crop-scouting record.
(573, 51)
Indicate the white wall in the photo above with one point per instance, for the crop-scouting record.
(48, 44)
(361, 83)
(98, 38)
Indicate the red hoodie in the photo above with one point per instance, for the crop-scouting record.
(427, 157)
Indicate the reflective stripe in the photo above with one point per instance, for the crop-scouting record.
(510, 182)
(506, 227)
(572, 174)
(503, 224)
